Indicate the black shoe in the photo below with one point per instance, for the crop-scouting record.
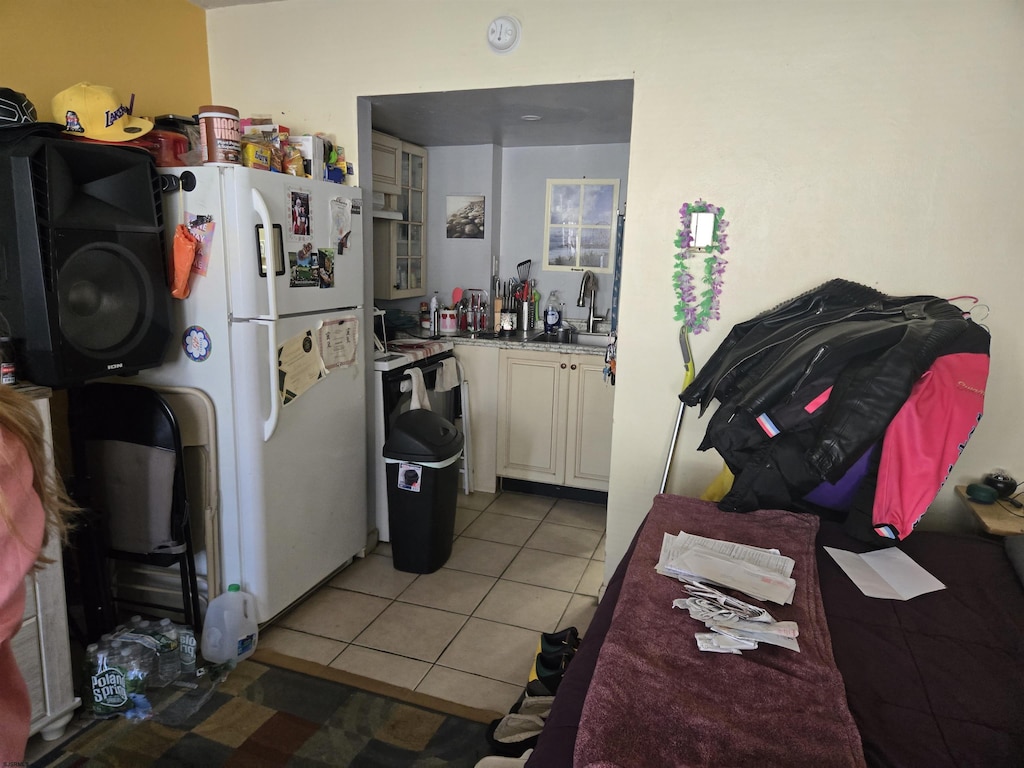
(558, 659)
(546, 674)
(553, 642)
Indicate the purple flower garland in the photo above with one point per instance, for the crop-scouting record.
(697, 311)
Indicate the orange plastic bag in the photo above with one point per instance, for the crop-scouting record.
(180, 267)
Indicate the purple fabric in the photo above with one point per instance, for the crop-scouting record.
(937, 680)
(655, 700)
(840, 494)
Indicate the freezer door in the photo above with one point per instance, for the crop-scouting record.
(314, 260)
(302, 493)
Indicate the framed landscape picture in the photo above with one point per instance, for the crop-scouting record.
(579, 232)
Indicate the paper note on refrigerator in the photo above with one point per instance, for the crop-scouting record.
(299, 366)
(339, 341)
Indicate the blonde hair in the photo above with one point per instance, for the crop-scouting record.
(19, 418)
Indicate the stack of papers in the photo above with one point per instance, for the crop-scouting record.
(761, 573)
(735, 626)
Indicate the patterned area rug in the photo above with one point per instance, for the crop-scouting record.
(273, 710)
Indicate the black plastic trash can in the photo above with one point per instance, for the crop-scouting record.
(421, 456)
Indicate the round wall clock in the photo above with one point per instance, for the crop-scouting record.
(503, 34)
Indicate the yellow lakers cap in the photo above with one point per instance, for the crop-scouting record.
(96, 112)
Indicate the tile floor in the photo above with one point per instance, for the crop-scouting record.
(520, 565)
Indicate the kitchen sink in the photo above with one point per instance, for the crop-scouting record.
(580, 338)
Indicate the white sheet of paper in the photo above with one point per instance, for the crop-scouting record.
(339, 341)
(886, 573)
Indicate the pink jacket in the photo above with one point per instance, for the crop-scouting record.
(20, 542)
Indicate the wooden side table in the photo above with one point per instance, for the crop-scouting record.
(994, 518)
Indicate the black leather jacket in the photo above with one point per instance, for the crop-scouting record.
(869, 347)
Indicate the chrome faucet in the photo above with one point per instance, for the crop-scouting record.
(589, 286)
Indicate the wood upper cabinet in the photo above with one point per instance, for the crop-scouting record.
(386, 157)
(554, 418)
(399, 240)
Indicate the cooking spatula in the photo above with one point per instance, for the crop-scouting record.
(523, 268)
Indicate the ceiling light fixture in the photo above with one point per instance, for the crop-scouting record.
(531, 117)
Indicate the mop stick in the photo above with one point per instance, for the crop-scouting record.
(688, 374)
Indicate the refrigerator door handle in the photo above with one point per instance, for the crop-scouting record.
(270, 321)
(270, 424)
(264, 213)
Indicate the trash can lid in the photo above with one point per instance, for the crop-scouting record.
(422, 436)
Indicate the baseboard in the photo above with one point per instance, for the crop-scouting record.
(556, 491)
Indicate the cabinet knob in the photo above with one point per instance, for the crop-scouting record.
(563, 366)
(573, 366)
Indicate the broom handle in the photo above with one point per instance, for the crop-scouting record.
(688, 373)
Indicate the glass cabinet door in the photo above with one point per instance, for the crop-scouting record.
(400, 245)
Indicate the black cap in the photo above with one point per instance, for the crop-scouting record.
(15, 108)
(18, 116)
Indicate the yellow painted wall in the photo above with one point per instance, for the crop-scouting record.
(155, 49)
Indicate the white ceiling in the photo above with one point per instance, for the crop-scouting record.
(571, 114)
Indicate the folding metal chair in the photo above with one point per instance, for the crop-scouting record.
(134, 476)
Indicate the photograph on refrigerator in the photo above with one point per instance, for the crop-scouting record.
(305, 266)
(201, 228)
(299, 204)
(325, 267)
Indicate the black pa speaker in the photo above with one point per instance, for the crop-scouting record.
(83, 282)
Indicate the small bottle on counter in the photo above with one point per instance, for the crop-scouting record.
(435, 315)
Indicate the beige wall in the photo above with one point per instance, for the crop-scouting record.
(875, 141)
(155, 49)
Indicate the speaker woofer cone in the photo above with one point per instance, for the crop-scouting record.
(104, 294)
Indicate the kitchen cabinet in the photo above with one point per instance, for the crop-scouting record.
(42, 645)
(399, 244)
(480, 367)
(386, 156)
(554, 418)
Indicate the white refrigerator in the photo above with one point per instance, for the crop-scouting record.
(272, 334)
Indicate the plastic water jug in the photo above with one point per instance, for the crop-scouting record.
(230, 632)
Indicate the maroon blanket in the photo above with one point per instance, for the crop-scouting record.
(655, 700)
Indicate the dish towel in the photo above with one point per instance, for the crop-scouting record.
(448, 376)
(418, 389)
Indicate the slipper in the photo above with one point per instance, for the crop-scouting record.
(540, 706)
(514, 734)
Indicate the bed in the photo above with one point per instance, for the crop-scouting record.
(933, 681)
